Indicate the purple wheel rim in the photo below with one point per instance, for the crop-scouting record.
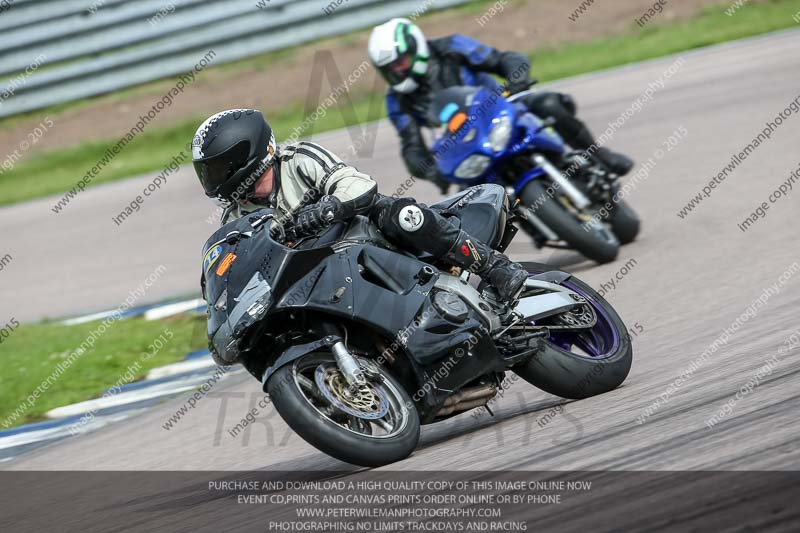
(599, 342)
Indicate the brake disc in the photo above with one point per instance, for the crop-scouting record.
(581, 317)
(362, 401)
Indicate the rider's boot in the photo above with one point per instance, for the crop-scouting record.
(617, 163)
(507, 278)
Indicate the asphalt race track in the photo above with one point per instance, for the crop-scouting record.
(679, 286)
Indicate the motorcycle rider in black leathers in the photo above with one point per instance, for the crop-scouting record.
(239, 164)
(417, 69)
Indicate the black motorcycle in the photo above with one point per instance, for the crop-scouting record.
(357, 343)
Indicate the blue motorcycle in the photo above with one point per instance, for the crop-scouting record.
(564, 199)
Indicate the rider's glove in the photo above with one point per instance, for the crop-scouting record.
(315, 217)
(517, 86)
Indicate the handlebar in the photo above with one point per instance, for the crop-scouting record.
(516, 96)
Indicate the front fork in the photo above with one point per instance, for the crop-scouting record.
(578, 199)
(346, 361)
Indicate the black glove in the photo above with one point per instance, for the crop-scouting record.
(315, 217)
(522, 83)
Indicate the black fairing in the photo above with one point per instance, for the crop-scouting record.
(267, 269)
(482, 210)
(363, 284)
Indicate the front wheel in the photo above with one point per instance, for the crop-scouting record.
(583, 362)
(372, 425)
(624, 222)
(594, 241)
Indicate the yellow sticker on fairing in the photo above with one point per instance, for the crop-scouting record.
(211, 257)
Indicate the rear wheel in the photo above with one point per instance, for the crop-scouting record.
(596, 242)
(373, 425)
(583, 362)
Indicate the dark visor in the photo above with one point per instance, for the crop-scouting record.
(216, 170)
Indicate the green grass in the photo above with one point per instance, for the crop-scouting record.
(59, 170)
(30, 354)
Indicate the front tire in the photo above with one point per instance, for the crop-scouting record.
(624, 222)
(560, 371)
(547, 208)
(296, 395)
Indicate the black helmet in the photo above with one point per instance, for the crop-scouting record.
(230, 151)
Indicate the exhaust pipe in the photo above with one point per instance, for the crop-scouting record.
(467, 399)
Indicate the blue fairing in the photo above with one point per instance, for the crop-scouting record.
(527, 178)
(541, 138)
(486, 109)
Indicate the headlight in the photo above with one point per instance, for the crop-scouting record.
(500, 134)
(473, 166)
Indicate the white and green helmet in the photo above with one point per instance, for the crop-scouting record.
(399, 51)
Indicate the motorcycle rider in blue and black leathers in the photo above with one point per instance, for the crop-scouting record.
(417, 69)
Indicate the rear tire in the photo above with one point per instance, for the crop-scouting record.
(332, 438)
(569, 375)
(566, 226)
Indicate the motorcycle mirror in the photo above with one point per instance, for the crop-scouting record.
(235, 236)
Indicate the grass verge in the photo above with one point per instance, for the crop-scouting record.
(32, 352)
(58, 171)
